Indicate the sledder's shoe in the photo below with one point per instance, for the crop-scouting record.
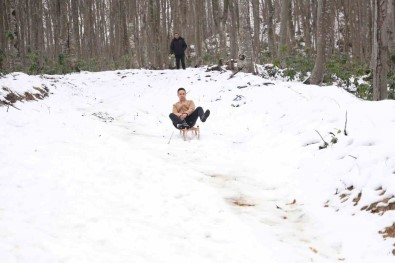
(204, 117)
(183, 125)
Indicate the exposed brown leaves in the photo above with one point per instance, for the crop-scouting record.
(12, 97)
(388, 232)
(382, 208)
(240, 201)
(357, 199)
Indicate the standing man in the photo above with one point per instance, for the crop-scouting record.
(184, 115)
(177, 47)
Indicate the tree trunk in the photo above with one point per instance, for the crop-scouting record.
(380, 50)
(233, 29)
(245, 38)
(270, 28)
(391, 26)
(323, 27)
(63, 28)
(76, 31)
(175, 9)
(154, 32)
(124, 35)
(13, 35)
(283, 48)
(199, 7)
(222, 26)
(48, 34)
(38, 23)
(216, 19)
(291, 28)
(219, 18)
(25, 32)
(255, 13)
(330, 28)
(307, 25)
(3, 17)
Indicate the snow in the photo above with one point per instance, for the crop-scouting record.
(19, 83)
(97, 173)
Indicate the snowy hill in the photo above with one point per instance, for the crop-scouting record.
(95, 172)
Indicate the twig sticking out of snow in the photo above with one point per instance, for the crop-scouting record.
(170, 137)
(325, 143)
(345, 126)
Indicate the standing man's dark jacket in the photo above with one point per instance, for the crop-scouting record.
(178, 46)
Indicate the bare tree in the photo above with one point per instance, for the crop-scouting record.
(255, 13)
(3, 26)
(323, 27)
(282, 47)
(13, 34)
(391, 26)
(199, 13)
(234, 25)
(108, 34)
(270, 28)
(245, 37)
(307, 25)
(380, 49)
(291, 27)
(220, 14)
(76, 31)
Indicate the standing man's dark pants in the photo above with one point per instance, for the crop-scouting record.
(182, 59)
(191, 119)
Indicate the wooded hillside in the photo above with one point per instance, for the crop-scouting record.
(58, 36)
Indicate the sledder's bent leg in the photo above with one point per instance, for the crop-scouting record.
(175, 119)
(191, 119)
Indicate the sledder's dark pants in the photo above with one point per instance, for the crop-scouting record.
(178, 59)
(191, 119)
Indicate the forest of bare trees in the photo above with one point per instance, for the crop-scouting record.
(59, 36)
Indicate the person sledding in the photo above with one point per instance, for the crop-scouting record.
(185, 115)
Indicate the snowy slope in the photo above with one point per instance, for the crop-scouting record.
(97, 173)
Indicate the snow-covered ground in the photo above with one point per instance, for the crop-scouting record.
(97, 173)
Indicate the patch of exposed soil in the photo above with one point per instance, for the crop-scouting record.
(241, 202)
(12, 97)
(379, 207)
(389, 232)
(382, 206)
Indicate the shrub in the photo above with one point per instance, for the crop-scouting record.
(364, 91)
(344, 69)
(391, 86)
(34, 61)
(299, 63)
(295, 67)
(2, 59)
